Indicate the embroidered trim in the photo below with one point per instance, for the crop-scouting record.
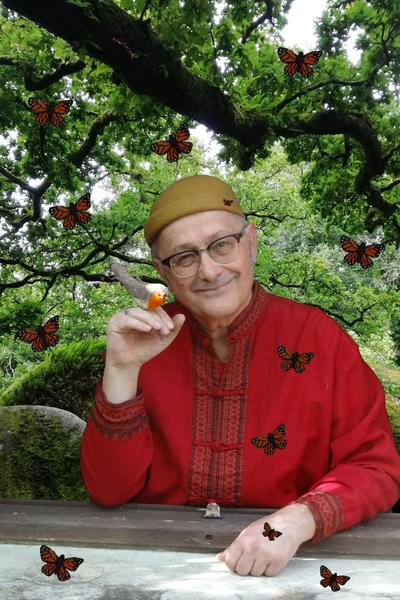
(119, 421)
(327, 511)
(219, 409)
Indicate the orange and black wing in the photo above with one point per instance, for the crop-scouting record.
(290, 58)
(31, 335)
(287, 356)
(50, 327)
(59, 111)
(351, 247)
(260, 441)
(326, 574)
(41, 109)
(311, 58)
(172, 154)
(161, 147)
(342, 579)
(373, 250)
(181, 136)
(69, 564)
(279, 434)
(303, 360)
(63, 213)
(50, 557)
(270, 533)
(82, 205)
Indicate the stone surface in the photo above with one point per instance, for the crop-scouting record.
(111, 574)
(68, 419)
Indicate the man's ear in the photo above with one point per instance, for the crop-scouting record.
(252, 233)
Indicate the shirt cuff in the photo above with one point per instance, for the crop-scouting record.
(118, 421)
(327, 511)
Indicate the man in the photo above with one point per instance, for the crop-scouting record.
(235, 394)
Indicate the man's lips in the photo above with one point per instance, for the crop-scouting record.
(215, 289)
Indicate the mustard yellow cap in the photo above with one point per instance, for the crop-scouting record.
(188, 196)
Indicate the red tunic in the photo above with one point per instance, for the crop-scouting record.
(187, 435)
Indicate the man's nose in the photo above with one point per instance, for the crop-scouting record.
(208, 268)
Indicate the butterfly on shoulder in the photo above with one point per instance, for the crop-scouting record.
(332, 579)
(49, 113)
(175, 145)
(58, 565)
(360, 253)
(271, 441)
(41, 337)
(74, 213)
(298, 63)
(270, 533)
(294, 360)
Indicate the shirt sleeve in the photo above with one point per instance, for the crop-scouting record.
(116, 449)
(364, 475)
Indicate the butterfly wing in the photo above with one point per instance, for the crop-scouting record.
(50, 327)
(305, 70)
(60, 213)
(279, 433)
(342, 579)
(62, 573)
(311, 58)
(40, 109)
(83, 204)
(286, 55)
(161, 147)
(185, 147)
(259, 441)
(59, 112)
(373, 250)
(50, 557)
(286, 364)
(350, 246)
(172, 154)
(291, 69)
(302, 360)
(267, 529)
(182, 134)
(72, 563)
(49, 569)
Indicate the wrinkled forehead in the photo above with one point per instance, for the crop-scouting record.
(199, 227)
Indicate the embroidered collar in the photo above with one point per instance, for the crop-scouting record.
(244, 322)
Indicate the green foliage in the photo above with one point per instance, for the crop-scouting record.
(38, 460)
(393, 408)
(66, 379)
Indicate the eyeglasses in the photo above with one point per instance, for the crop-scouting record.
(223, 250)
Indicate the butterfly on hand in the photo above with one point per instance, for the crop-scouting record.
(298, 63)
(332, 580)
(74, 213)
(271, 441)
(294, 360)
(52, 112)
(175, 145)
(58, 565)
(41, 337)
(360, 253)
(270, 533)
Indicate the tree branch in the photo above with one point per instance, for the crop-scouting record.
(96, 129)
(32, 83)
(267, 15)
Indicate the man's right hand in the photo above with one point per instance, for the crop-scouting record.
(136, 337)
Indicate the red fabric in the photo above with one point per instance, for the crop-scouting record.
(186, 437)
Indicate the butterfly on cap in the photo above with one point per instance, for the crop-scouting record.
(360, 253)
(49, 112)
(294, 360)
(58, 565)
(175, 145)
(271, 441)
(332, 580)
(41, 337)
(298, 63)
(270, 533)
(74, 213)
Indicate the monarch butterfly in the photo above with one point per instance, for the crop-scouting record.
(294, 360)
(359, 253)
(42, 337)
(271, 441)
(270, 533)
(49, 112)
(227, 202)
(175, 144)
(333, 580)
(298, 63)
(74, 213)
(58, 564)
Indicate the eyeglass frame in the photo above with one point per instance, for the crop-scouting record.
(166, 261)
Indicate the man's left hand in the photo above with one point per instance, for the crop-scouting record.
(253, 554)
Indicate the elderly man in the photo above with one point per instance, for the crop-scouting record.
(234, 394)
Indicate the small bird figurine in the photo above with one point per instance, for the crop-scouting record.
(147, 295)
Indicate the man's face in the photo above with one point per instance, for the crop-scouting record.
(216, 290)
